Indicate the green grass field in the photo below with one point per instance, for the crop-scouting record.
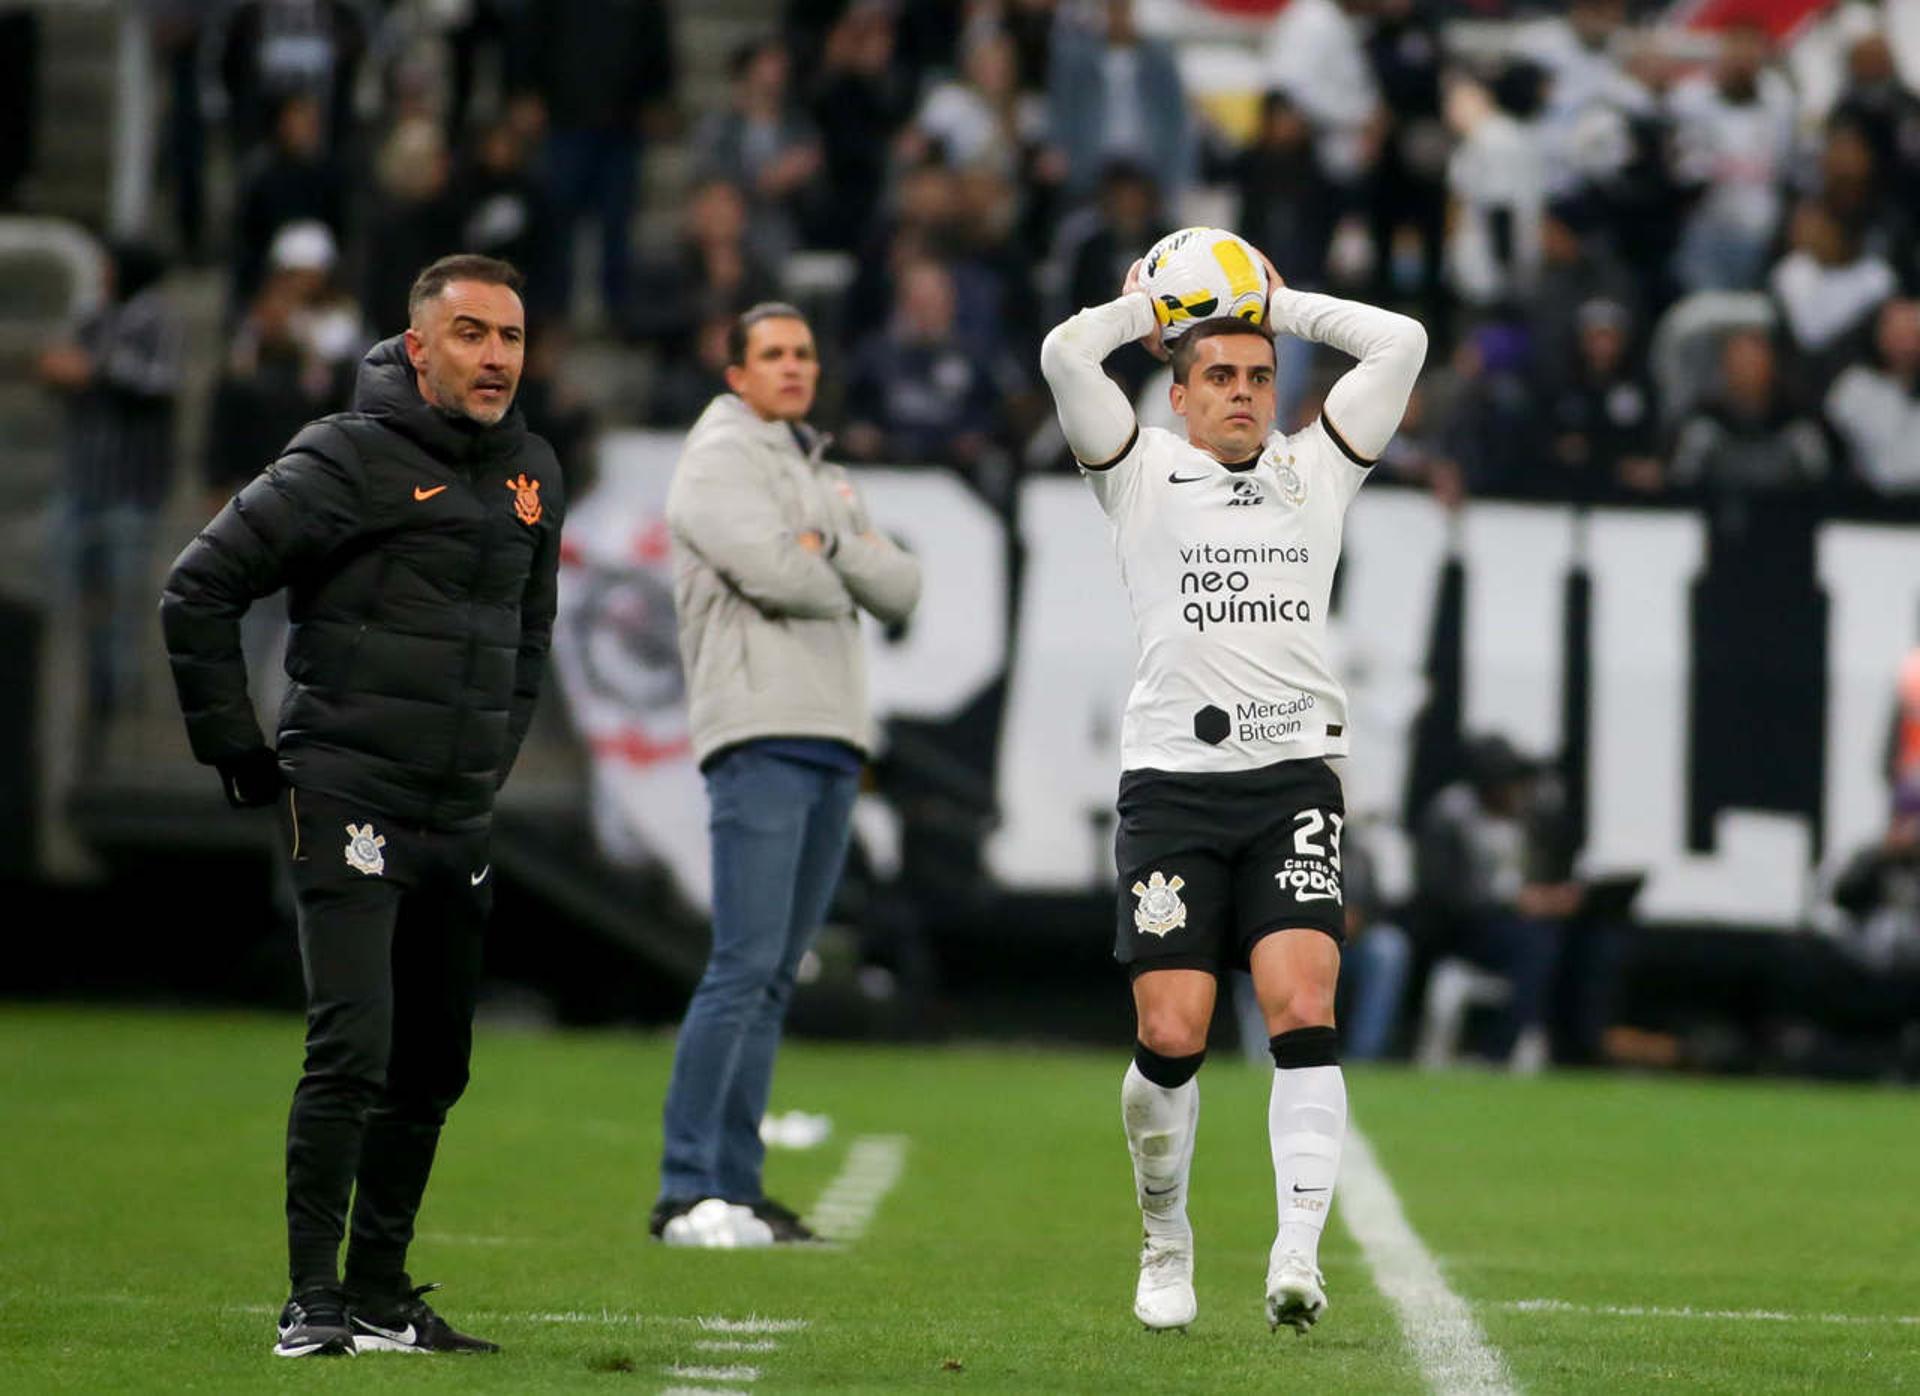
(1767, 1236)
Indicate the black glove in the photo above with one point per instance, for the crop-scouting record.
(252, 779)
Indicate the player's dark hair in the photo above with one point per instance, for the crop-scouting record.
(1185, 347)
(461, 266)
(744, 322)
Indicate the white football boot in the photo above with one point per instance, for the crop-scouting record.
(1164, 1297)
(1295, 1293)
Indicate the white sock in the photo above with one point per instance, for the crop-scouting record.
(1160, 1126)
(1306, 1124)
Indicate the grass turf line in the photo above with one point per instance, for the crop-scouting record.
(140, 1242)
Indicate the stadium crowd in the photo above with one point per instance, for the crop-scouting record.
(1659, 264)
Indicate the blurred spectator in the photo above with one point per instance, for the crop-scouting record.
(1875, 406)
(1492, 422)
(1600, 419)
(269, 50)
(417, 219)
(916, 391)
(1407, 192)
(290, 181)
(1314, 54)
(1880, 104)
(1749, 438)
(686, 382)
(1374, 962)
(1498, 181)
(980, 119)
(1287, 204)
(860, 101)
(178, 29)
(712, 270)
(1828, 288)
(1577, 267)
(1734, 136)
(765, 145)
(120, 375)
(1106, 240)
(604, 75)
(1113, 94)
(275, 381)
(555, 412)
(505, 212)
(1851, 1006)
(327, 320)
(1493, 885)
(1591, 97)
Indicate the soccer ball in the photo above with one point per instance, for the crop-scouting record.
(1198, 273)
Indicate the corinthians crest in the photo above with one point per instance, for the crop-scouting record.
(1160, 909)
(1293, 489)
(364, 855)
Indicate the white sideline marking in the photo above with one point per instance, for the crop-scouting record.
(447, 1238)
(739, 1373)
(735, 1345)
(753, 1323)
(704, 1391)
(1454, 1356)
(1561, 1306)
(874, 1164)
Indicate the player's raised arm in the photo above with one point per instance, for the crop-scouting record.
(1364, 408)
(1094, 412)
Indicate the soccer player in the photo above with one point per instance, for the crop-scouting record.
(1229, 836)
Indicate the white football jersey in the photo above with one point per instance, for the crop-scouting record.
(1230, 574)
(1230, 569)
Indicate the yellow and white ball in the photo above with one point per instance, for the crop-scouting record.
(1196, 274)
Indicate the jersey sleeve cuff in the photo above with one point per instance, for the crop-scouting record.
(1117, 457)
(1337, 439)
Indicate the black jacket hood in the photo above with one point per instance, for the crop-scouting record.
(387, 390)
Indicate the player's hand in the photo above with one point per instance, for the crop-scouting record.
(1275, 282)
(252, 779)
(1150, 341)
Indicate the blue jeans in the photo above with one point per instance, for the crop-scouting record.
(593, 174)
(779, 830)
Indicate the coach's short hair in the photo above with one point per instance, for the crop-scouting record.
(1185, 347)
(745, 321)
(461, 266)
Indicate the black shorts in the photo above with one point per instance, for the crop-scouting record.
(1211, 863)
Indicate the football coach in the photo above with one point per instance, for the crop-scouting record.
(418, 538)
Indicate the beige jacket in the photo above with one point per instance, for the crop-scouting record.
(769, 631)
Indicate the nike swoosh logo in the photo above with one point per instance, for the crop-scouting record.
(1174, 477)
(477, 878)
(1298, 1188)
(1162, 1192)
(419, 493)
(398, 1335)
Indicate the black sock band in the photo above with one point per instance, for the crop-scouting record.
(1168, 1072)
(1305, 1047)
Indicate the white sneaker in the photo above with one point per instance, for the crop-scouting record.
(1164, 1297)
(1294, 1293)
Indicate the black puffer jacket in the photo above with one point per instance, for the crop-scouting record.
(419, 552)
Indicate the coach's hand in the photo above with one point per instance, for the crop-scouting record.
(1150, 341)
(251, 780)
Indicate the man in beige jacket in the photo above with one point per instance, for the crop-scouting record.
(774, 559)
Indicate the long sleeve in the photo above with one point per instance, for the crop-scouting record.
(720, 508)
(1094, 412)
(1364, 408)
(881, 576)
(538, 605)
(304, 505)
